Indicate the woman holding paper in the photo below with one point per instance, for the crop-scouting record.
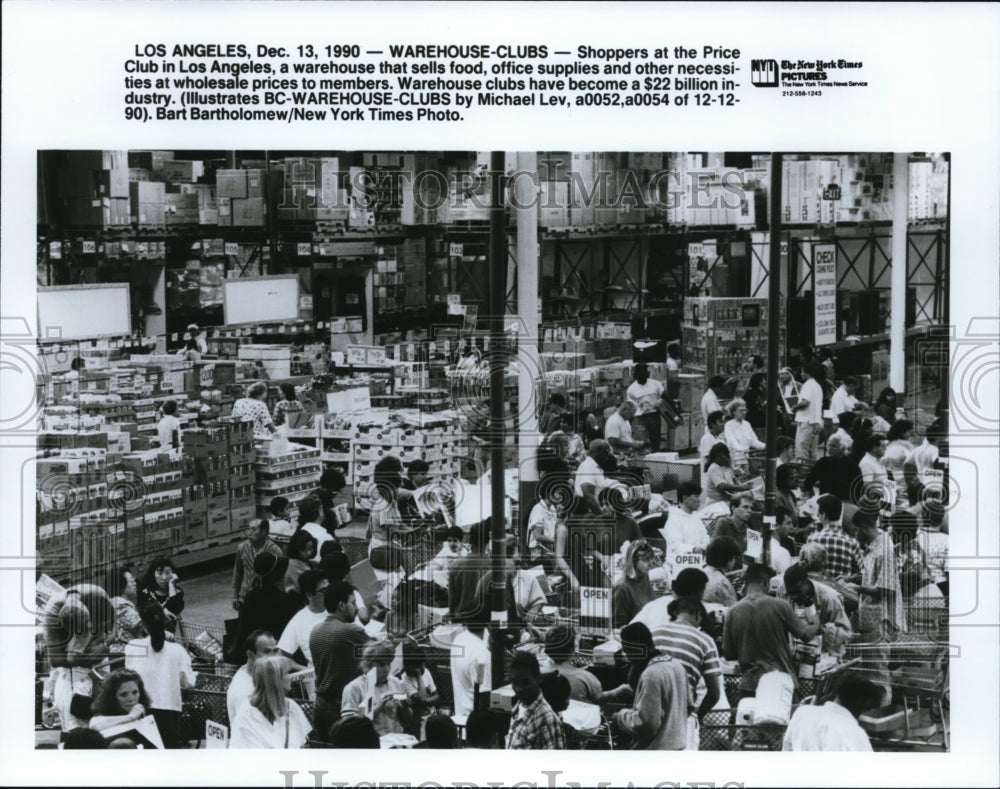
(375, 694)
(268, 719)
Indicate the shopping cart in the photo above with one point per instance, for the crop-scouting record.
(720, 732)
(917, 670)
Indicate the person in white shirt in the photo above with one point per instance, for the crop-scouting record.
(259, 643)
(740, 435)
(646, 392)
(871, 466)
(295, 636)
(543, 522)
(590, 480)
(713, 435)
(710, 400)
(196, 335)
(165, 668)
(168, 429)
(843, 399)
(673, 357)
(809, 414)
(618, 429)
(278, 518)
(684, 531)
(311, 520)
(376, 694)
(784, 448)
(470, 666)
(845, 422)
(452, 550)
(269, 719)
(834, 725)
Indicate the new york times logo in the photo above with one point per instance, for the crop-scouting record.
(764, 73)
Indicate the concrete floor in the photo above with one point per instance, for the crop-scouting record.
(208, 588)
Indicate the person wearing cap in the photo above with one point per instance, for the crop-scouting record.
(266, 607)
(196, 335)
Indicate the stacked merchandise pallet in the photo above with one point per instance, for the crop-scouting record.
(407, 435)
(219, 501)
(73, 514)
(293, 473)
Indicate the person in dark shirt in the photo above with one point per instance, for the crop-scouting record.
(635, 590)
(268, 607)
(330, 484)
(836, 473)
(336, 646)
(757, 629)
(465, 575)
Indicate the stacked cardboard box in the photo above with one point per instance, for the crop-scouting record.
(293, 474)
(310, 190)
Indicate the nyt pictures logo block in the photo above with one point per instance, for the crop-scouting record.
(764, 73)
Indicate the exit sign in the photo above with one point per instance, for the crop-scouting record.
(831, 192)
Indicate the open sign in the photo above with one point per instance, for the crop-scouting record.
(688, 560)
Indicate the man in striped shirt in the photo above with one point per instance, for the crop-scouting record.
(682, 639)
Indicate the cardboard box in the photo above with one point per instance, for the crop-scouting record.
(219, 523)
(248, 212)
(231, 183)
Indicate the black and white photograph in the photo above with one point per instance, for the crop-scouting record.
(289, 417)
(512, 433)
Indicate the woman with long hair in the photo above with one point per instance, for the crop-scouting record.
(269, 719)
(159, 585)
(122, 588)
(301, 552)
(165, 668)
(123, 699)
(720, 481)
(635, 590)
(885, 405)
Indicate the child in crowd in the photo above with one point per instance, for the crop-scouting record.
(279, 518)
(169, 427)
(421, 691)
(452, 549)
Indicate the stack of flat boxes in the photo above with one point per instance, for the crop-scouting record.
(241, 196)
(437, 443)
(92, 189)
(73, 517)
(294, 475)
(206, 499)
(162, 511)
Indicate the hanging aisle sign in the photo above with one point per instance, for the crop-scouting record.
(825, 293)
